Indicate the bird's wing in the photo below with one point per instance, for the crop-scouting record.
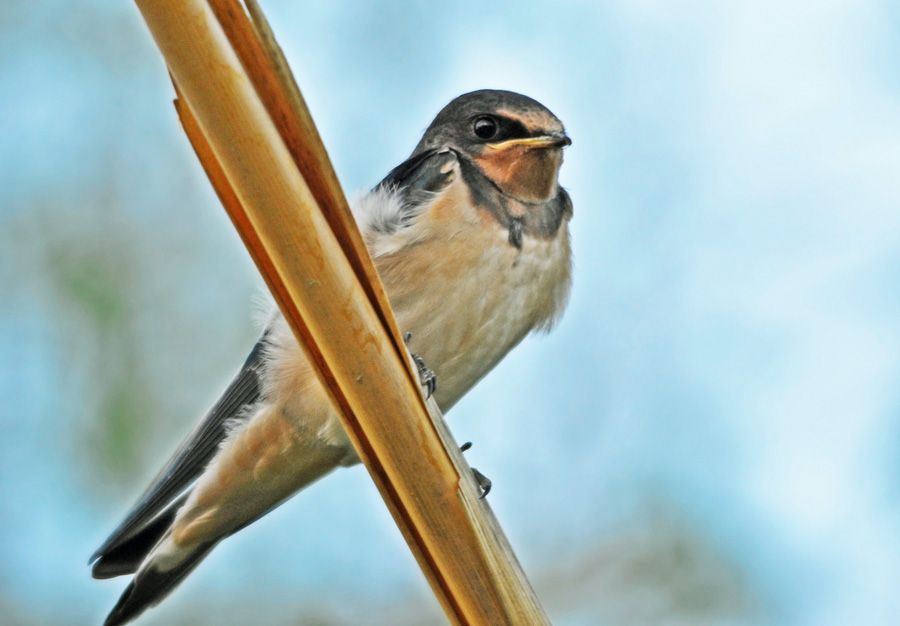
(194, 453)
(398, 199)
(404, 173)
(427, 172)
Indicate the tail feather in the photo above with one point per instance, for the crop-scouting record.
(151, 584)
(127, 556)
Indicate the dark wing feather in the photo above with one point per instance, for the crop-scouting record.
(193, 455)
(417, 179)
(151, 585)
(400, 175)
(127, 555)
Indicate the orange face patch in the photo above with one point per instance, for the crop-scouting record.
(527, 173)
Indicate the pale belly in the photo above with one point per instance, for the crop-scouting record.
(464, 292)
(474, 300)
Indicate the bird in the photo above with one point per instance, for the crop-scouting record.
(470, 236)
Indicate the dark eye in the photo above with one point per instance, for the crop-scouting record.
(485, 127)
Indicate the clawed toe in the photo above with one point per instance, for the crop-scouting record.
(484, 483)
(427, 377)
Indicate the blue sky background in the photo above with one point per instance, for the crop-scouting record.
(712, 434)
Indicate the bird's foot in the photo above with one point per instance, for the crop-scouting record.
(427, 377)
(484, 483)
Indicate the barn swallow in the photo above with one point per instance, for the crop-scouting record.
(470, 237)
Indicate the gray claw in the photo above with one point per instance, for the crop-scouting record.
(484, 483)
(426, 376)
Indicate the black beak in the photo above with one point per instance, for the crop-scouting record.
(564, 140)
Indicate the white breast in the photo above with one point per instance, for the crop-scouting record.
(467, 294)
(455, 282)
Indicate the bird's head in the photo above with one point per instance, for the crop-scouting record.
(515, 141)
